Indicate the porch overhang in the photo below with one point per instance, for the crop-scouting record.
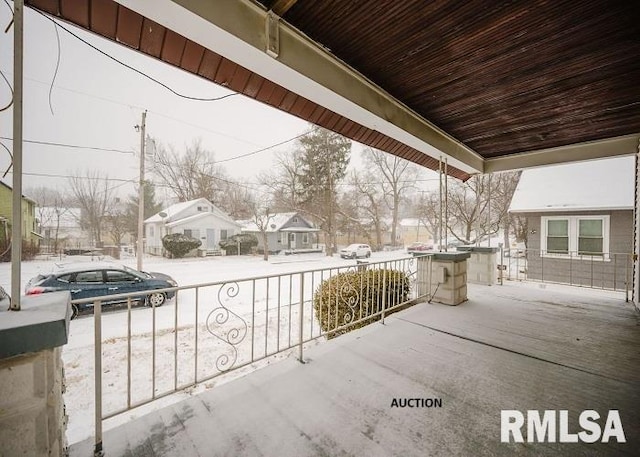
(489, 89)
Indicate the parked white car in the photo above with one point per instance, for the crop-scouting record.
(353, 251)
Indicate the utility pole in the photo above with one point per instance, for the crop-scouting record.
(140, 247)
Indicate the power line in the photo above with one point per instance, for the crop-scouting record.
(215, 132)
(140, 72)
(51, 175)
(75, 146)
(241, 156)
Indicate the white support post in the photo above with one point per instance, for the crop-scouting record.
(440, 206)
(140, 247)
(16, 213)
(446, 205)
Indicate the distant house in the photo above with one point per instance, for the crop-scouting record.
(285, 232)
(30, 234)
(412, 230)
(579, 221)
(198, 218)
(60, 228)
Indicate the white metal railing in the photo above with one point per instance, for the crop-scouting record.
(214, 328)
(609, 271)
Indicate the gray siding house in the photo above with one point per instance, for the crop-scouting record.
(286, 232)
(579, 222)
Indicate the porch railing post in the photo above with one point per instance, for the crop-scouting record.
(626, 279)
(502, 265)
(97, 321)
(384, 291)
(300, 349)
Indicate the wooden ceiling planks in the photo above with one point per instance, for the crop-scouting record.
(502, 77)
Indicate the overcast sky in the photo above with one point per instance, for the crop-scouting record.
(97, 102)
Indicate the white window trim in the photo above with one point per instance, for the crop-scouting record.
(573, 237)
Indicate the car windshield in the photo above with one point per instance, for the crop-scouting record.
(353, 246)
(136, 273)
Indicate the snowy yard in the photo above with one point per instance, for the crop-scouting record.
(263, 318)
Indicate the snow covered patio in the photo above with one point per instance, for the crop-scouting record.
(516, 347)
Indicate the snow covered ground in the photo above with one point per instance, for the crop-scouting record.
(264, 319)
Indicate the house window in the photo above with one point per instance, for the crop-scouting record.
(295, 219)
(305, 238)
(558, 236)
(151, 231)
(188, 232)
(590, 237)
(223, 235)
(284, 237)
(575, 236)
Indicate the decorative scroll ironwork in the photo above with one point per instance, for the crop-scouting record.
(349, 294)
(219, 316)
(411, 273)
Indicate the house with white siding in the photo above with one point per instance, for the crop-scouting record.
(197, 218)
(579, 221)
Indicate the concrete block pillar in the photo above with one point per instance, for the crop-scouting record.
(447, 279)
(482, 265)
(32, 413)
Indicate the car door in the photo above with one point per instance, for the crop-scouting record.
(87, 284)
(121, 282)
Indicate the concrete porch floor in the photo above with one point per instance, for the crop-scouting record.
(512, 347)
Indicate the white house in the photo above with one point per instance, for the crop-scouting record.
(198, 218)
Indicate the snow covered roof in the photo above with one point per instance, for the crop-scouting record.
(278, 220)
(196, 217)
(593, 185)
(173, 212)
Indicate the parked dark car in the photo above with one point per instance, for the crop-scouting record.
(96, 279)
(418, 248)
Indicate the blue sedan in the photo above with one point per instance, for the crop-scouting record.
(98, 279)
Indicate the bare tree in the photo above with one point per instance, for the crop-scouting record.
(262, 217)
(503, 187)
(428, 212)
(284, 182)
(236, 200)
(370, 198)
(52, 205)
(93, 195)
(190, 175)
(116, 222)
(397, 176)
(479, 207)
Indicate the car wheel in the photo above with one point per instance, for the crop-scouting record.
(368, 255)
(156, 299)
(354, 256)
(74, 311)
